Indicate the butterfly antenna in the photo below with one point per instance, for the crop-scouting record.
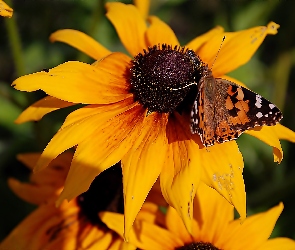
(193, 83)
(218, 52)
(186, 86)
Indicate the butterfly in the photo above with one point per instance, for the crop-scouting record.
(223, 110)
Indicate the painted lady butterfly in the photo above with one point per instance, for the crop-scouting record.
(223, 110)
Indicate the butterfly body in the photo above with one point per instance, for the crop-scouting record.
(223, 110)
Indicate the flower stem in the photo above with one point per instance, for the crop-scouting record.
(282, 70)
(97, 15)
(15, 43)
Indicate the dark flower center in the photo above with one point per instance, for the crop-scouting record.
(105, 194)
(163, 76)
(198, 246)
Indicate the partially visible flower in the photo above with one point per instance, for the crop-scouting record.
(5, 10)
(73, 225)
(140, 120)
(214, 227)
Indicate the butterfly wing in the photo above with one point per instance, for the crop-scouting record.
(245, 108)
(225, 110)
(202, 114)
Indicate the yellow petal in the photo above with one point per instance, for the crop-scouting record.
(278, 244)
(93, 236)
(69, 136)
(196, 43)
(284, 133)
(5, 10)
(143, 7)
(88, 84)
(43, 185)
(43, 234)
(149, 212)
(222, 166)
(58, 168)
(102, 149)
(214, 212)
(56, 172)
(129, 24)
(142, 165)
(259, 225)
(37, 110)
(102, 240)
(114, 221)
(31, 193)
(78, 180)
(268, 135)
(22, 235)
(115, 64)
(80, 41)
(175, 225)
(149, 236)
(144, 235)
(35, 231)
(29, 159)
(160, 33)
(237, 48)
(79, 125)
(118, 244)
(182, 170)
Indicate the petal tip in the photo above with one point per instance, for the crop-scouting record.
(272, 28)
(39, 167)
(13, 183)
(60, 200)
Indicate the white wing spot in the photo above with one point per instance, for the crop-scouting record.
(258, 101)
(259, 114)
(271, 106)
(266, 115)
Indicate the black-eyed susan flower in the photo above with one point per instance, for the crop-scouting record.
(137, 111)
(74, 224)
(5, 10)
(214, 227)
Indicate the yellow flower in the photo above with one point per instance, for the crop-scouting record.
(214, 227)
(5, 10)
(73, 225)
(115, 126)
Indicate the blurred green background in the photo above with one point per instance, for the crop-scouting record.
(270, 72)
